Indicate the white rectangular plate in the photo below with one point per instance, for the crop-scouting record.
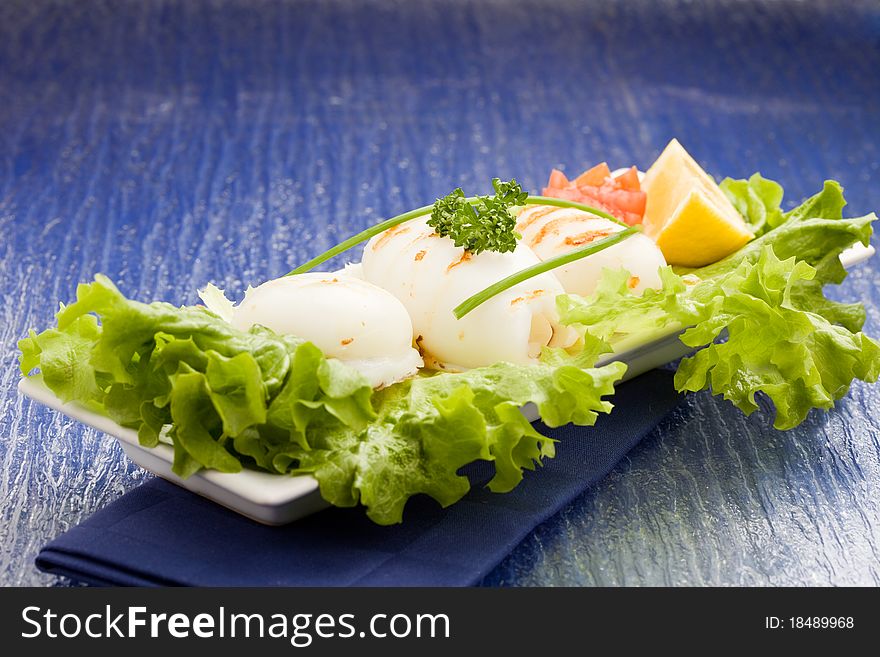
(279, 499)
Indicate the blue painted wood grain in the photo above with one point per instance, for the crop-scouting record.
(172, 143)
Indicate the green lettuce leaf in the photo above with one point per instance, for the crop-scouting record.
(780, 335)
(796, 357)
(826, 204)
(818, 242)
(758, 200)
(226, 399)
(430, 426)
(156, 366)
(615, 316)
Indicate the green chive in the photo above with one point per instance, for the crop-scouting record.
(547, 265)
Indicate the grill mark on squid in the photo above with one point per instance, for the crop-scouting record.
(553, 226)
(535, 214)
(389, 234)
(587, 237)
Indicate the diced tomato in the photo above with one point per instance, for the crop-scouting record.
(595, 176)
(568, 193)
(620, 196)
(625, 200)
(629, 180)
(557, 180)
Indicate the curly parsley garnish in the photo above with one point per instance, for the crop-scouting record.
(484, 224)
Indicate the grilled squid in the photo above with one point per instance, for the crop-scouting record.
(431, 276)
(347, 318)
(550, 231)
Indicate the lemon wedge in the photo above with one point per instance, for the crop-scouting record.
(687, 214)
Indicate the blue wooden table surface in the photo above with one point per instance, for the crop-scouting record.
(167, 144)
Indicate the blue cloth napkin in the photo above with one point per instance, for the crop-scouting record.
(160, 534)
